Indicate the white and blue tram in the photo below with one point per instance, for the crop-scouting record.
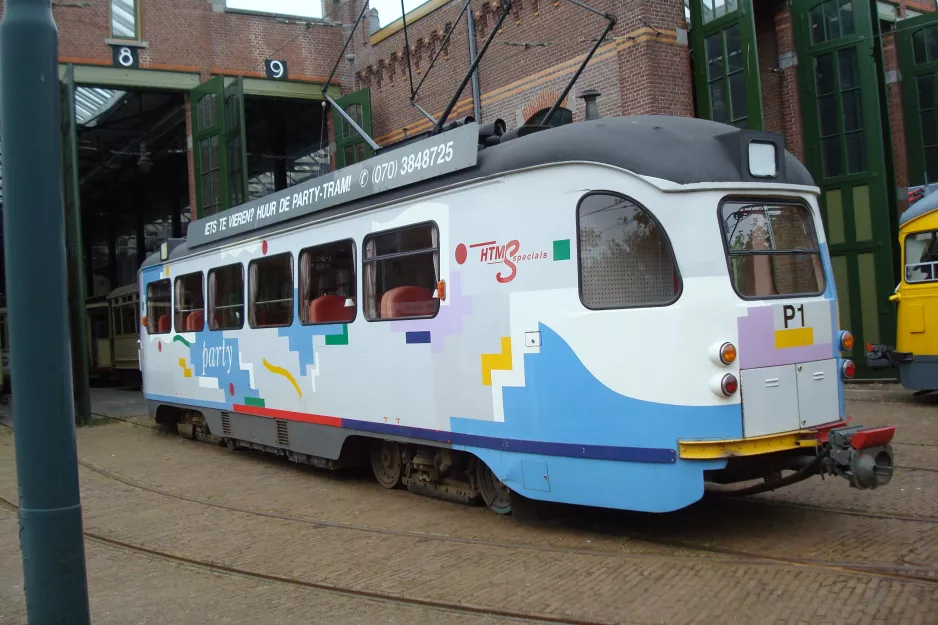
(608, 313)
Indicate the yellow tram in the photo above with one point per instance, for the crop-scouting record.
(916, 297)
(112, 330)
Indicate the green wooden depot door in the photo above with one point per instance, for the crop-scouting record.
(917, 40)
(844, 150)
(350, 148)
(219, 145)
(726, 63)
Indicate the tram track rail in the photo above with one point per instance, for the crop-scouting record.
(726, 555)
(447, 606)
(729, 556)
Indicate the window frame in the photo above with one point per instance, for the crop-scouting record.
(791, 201)
(176, 311)
(136, 36)
(210, 299)
(250, 296)
(355, 278)
(905, 261)
(150, 317)
(372, 235)
(579, 254)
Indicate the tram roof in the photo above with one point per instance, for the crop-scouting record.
(924, 206)
(682, 150)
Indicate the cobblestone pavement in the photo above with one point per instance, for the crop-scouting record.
(706, 564)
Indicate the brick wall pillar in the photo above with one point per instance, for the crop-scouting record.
(654, 62)
(787, 60)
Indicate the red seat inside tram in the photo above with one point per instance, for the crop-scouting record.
(195, 321)
(407, 301)
(330, 309)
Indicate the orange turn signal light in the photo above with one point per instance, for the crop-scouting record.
(846, 341)
(727, 353)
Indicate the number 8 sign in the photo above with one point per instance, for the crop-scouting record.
(126, 57)
(276, 69)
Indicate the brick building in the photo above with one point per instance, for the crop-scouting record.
(185, 107)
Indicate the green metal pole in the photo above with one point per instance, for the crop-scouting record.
(34, 241)
(76, 263)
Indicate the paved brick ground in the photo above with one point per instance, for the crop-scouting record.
(588, 565)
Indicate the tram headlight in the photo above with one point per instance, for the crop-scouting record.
(846, 341)
(762, 162)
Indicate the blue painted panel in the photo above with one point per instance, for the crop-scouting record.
(643, 487)
(563, 402)
(608, 452)
(187, 401)
(215, 355)
(300, 337)
(418, 337)
(535, 475)
(830, 294)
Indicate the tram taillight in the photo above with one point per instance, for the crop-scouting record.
(847, 369)
(729, 384)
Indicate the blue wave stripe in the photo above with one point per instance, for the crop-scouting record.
(571, 450)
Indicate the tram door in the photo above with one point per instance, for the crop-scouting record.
(844, 150)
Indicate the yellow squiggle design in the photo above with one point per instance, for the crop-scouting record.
(284, 373)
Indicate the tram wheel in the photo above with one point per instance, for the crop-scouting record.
(494, 493)
(386, 463)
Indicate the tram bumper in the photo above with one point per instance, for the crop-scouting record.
(863, 456)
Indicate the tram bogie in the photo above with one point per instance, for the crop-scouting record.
(563, 317)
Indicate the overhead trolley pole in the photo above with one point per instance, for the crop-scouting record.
(34, 245)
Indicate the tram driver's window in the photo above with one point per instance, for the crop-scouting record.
(921, 257)
(327, 283)
(189, 303)
(625, 258)
(226, 298)
(773, 249)
(158, 306)
(401, 273)
(270, 282)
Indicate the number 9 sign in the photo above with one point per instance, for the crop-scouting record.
(275, 69)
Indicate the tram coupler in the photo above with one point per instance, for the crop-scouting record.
(861, 455)
(885, 357)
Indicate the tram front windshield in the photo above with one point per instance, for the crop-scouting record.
(772, 249)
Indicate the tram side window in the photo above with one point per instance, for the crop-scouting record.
(226, 298)
(327, 283)
(123, 316)
(402, 271)
(189, 303)
(158, 307)
(921, 257)
(773, 249)
(626, 260)
(271, 292)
